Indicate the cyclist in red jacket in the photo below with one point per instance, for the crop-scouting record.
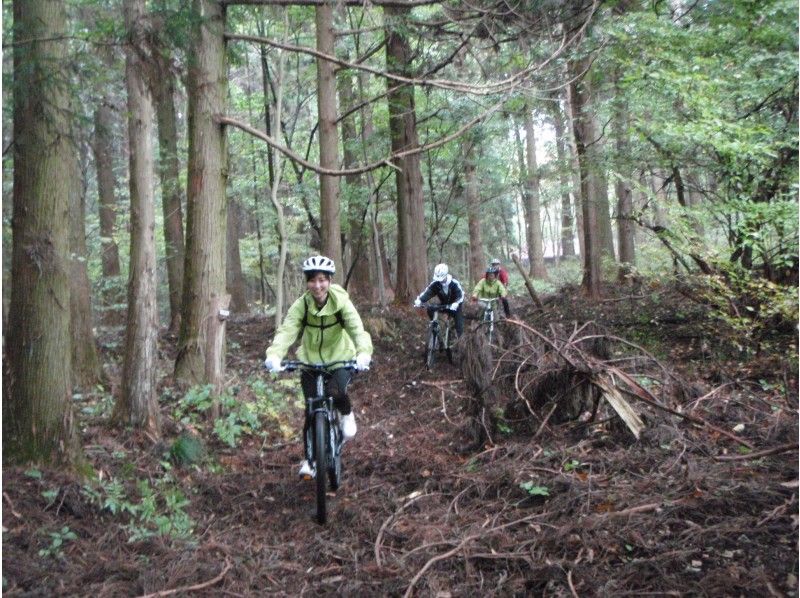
(502, 276)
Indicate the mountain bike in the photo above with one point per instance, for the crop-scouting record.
(324, 434)
(439, 338)
(488, 316)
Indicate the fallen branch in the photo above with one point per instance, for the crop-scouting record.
(528, 284)
(784, 448)
(193, 588)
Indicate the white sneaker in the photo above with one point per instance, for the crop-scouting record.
(306, 471)
(349, 426)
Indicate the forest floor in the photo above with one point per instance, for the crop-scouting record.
(704, 503)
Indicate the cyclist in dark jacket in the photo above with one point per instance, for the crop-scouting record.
(449, 292)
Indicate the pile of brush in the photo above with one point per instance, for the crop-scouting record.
(531, 379)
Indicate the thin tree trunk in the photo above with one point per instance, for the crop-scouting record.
(627, 248)
(278, 172)
(233, 262)
(37, 412)
(204, 269)
(360, 284)
(567, 234)
(523, 192)
(377, 258)
(328, 141)
(535, 247)
(137, 404)
(602, 203)
(86, 370)
(171, 192)
(106, 186)
(575, 169)
(412, 261)
(476, 258)
(585, 133)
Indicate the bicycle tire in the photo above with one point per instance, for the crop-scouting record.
(335, 459)
(448, 347)
(430, 352)
(321, 459)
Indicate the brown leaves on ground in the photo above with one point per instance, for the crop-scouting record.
(560, 505)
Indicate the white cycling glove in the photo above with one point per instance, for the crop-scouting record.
(454, 306)
(417, 302)
(362, 361)
(273, 364)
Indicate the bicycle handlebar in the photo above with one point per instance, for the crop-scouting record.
(291, 365)
(435, 306)
(488, 300)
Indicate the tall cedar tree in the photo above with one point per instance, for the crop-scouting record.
(412, 261)
(328, 141)
(37, 412)
(137, 404)
(206, 218)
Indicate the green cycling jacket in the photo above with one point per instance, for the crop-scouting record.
(489, 290)
(333, 332)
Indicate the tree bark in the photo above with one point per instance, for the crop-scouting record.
(412, 261)
(625, 230)
(567, 234)
(37, 412)
(233, 263)
(86, 370)
(204, 268)
(535, 242)
(477, 263)
(585, 133)
(328, 141)
(171, 192)
(360, 284)
(605, 231)
(137, 403)
(106, 186)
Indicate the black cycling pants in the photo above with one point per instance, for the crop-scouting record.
(335, 387)
(506, 308)
(458, 315)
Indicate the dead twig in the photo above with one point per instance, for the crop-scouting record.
(193, 588)
(784, 448)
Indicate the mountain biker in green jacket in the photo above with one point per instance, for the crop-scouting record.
(491, 288)
(330, 329)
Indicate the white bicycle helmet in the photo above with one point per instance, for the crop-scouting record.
(440, 272)
(319, 263)
(495, 262)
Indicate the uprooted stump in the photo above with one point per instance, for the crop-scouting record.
(562, 376)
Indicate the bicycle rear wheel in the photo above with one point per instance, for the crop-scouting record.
(321, 458)
(430, 351)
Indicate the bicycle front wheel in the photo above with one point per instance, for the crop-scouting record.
(430, 349)
(335, 458)
(321, 458)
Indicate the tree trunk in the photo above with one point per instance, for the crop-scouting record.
(204, 268)
(575, 169)
(602, 203)
(412, 261)
(328, 141)
(360, 284)
(137, 404)
(233, 263)
(535, 242)
(37, 412)
(106, 186)
(567, 234)
(477, 263)
(585, 134)
(627, 248)
(171, 193)
(86, 370)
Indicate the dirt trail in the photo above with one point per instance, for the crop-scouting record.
(416, 516)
